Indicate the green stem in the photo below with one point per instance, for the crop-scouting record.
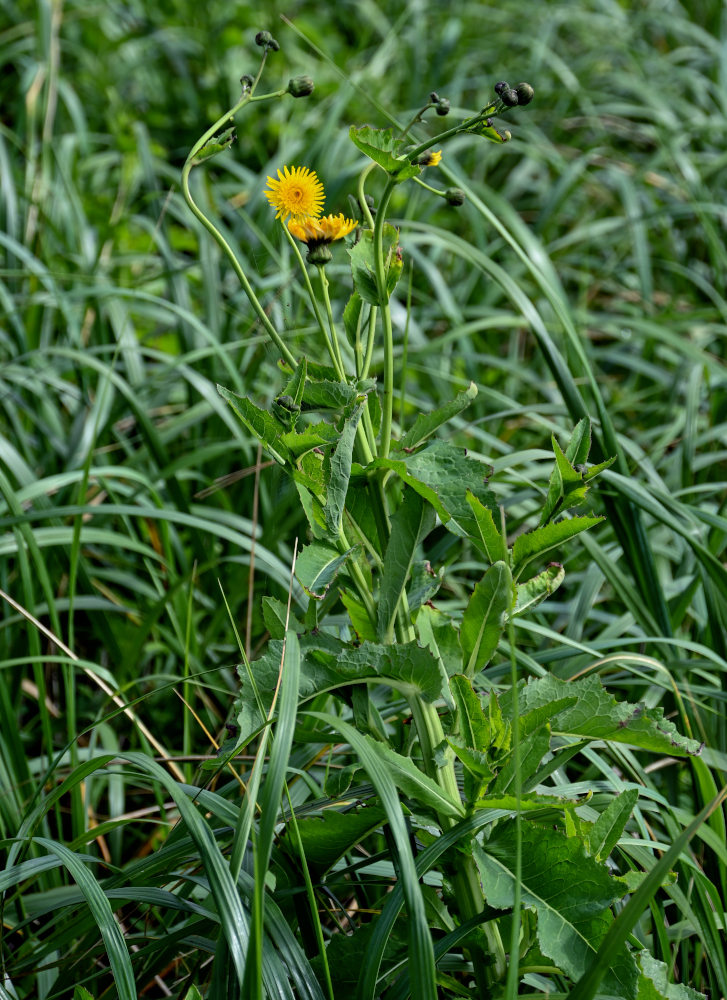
(387, 405)
(335, 360)
(217, 235)
(329, 313)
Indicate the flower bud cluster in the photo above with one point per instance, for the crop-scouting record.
(521, 94)
(266, 41)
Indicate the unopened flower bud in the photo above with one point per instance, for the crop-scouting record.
(502, 85)
(319, 255)
(263, 38)
(246, 81)
(509, 97)
(524, 93)
(434, 97)
(442, 107)
(300, 86)
(274, 45)
(455, 196)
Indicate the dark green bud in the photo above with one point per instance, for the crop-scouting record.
(434, 97)
(509, 97)
(300, 86)
(319, 255)
(455, 196)
(502, 85)
(524, 93)
(442, 107)
(246, 81)
(266, 41)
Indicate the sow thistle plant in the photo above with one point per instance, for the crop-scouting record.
(496, 872)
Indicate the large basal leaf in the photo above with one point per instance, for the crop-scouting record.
(442, 474)
(380, 145)
(427, 423)
(534, 544)
(413, 520)
(484, 617)
(597, 715)
(328, 663)
(570, 893)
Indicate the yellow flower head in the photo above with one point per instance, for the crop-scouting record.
(297, 192)
(321, 232)
(430, 159)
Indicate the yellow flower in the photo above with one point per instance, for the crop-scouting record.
(430, 159)
(297, 192)
(321, 232)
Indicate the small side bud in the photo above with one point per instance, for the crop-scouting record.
(442, 107)
(502, 85)
(455, 196)
(525, 93)
(509, 97)
(434, 97)
(246, 81)
(300, 86)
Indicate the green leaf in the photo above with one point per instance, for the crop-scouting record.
(527, 756)
(299, 443)
(424, 585)
(484, 618)
(275, 615)
(383, 148)
(415, 784)
(442, 474)
(598, 716)
(217, 144)
(362, 624)
(363, 263)
(317, 566)
(326, 395)
(536, 543)
(534, 591)
(352, 317)
(472, 723)
(81, 993)
(329, 836)
(654, 982)
(412, 522)
(338, 467)
(328, 663)
(260, 423)
(609, 826)
(570, 892)
(427, 423)
(488, 537)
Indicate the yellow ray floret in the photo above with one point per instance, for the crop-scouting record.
(319, 232)
(297, 192)
(431, 158)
